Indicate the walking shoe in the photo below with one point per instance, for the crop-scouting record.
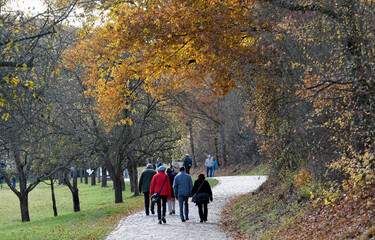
(173, 212)
(187, 219)
(183, 220)
(170, 213)
(152, 211)
(201, 221)
(163, 219)
(159, 221)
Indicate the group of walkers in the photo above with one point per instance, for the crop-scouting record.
(169, 186)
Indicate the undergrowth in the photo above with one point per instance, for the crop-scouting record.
(286, 210)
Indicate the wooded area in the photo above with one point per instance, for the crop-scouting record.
(285, 83)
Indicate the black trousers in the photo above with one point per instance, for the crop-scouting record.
(146, 196)
(202, 210)
(162, 201)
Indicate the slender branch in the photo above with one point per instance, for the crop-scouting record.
(308, 7)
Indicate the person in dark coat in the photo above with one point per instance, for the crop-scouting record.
(187, 163)
(203, 192)
(171, 202)
(144, 186)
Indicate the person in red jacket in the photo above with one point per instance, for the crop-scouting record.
(160, 183)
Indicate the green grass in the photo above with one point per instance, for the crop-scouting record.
(261, 169)
(99, 214)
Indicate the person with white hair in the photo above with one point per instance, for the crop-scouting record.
(209, 163)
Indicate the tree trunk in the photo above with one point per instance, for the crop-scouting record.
(217, 153)
(74, 189)
(104, 177)
(223, 144)
(60, 177)
(122, 182)
(24, 204)
(98, 175)
(53, 197)
(133, 176)
(81, 173)
(76, 204)
(86, 177)
(190, 125)
(118, 190)
(93, 177)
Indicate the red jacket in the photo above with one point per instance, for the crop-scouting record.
(156, 183)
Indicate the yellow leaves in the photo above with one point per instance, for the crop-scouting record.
(57, 72)
(15, 81)
(5, 116)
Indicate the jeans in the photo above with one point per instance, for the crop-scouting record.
(183, 201)
(209, 170)
(146, 196)
(162, 201)
(203, 211)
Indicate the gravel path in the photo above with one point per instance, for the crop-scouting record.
(140, 226)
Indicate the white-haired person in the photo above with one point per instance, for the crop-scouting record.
(209, 163)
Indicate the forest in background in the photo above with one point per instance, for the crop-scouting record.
(111, 85)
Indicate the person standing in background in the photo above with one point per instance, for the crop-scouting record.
(175, 167)
(209, 163)
(216, 165)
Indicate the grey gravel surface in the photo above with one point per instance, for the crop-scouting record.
(139, 226)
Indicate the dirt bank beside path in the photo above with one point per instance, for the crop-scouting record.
(140, 226)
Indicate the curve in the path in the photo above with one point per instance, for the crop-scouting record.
(139, 226)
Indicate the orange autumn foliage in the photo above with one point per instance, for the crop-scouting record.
(165, 47)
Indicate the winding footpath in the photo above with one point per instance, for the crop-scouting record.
(139, 226)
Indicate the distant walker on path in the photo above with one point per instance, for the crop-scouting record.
(187, 163)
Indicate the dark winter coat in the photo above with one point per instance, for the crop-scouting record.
(145, 180)
(187, 162)
(206, 188)
(171, 179)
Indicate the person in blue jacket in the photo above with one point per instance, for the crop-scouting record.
(183, 185)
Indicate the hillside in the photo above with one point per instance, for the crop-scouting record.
(282, 211)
